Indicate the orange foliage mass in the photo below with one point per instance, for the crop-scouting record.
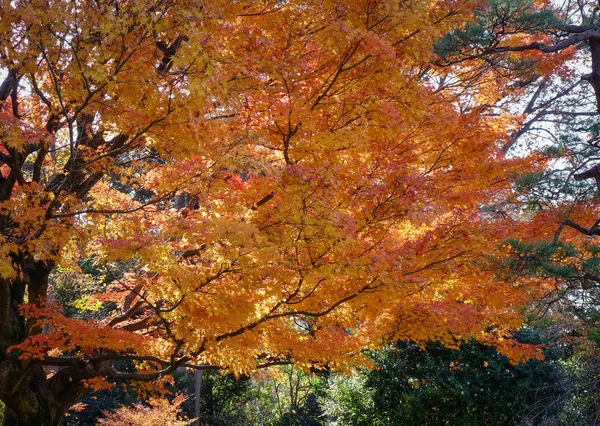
(159, 412)
(336, 192)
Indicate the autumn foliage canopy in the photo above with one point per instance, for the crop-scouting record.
(277, 182)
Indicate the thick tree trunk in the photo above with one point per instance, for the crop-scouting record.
(48, 417)
(32, 396)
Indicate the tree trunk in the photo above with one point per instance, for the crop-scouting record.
(32, 396)
(42, 418)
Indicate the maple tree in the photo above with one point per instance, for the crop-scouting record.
(282, 182)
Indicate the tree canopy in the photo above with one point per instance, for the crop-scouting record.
(265, 183)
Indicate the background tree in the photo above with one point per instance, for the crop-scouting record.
(225, 398)
(434, 385)
(334, 181)
(559, 199)
(560, 120)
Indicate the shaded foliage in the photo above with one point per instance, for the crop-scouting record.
(435, 385)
